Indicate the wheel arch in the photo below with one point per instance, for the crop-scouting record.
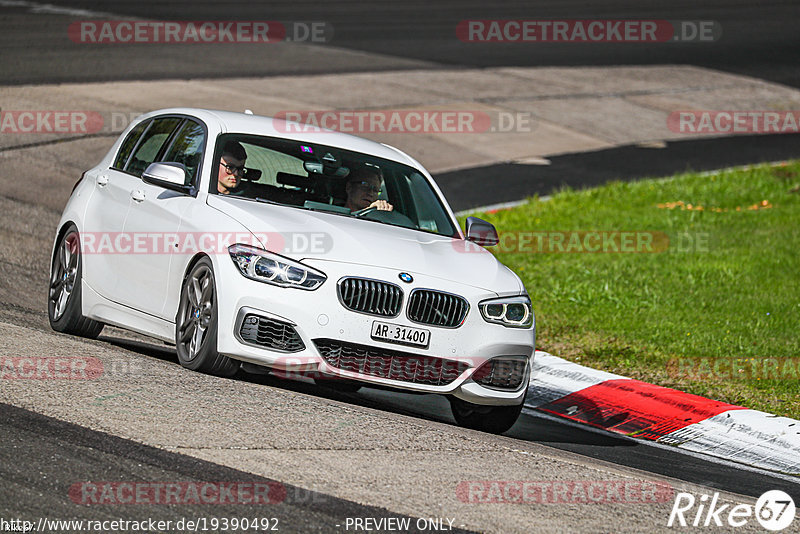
(62, 231)
(187, 269)
(71, 320)
(192, 262)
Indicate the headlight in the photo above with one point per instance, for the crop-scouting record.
(258, 264)
(515, 312)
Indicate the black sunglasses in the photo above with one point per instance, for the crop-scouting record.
(230, 169)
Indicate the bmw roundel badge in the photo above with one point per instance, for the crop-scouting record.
(407, 278)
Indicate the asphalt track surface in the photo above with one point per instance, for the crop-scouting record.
(61, 453)
(760, 39)
(508, 182)
(42, 457)
(533, 429)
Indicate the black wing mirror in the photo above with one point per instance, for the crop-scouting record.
(481, 232)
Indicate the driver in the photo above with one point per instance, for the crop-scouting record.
(231, 169)
(363, 187)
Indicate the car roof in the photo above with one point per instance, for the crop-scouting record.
(245, 123)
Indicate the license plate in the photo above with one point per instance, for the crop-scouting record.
(402, 335)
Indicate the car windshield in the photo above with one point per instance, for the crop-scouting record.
(316, 177)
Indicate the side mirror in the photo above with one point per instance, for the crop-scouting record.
(167, 175)
(481, 232)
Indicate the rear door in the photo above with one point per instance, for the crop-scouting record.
(154, 219)
(105, 217)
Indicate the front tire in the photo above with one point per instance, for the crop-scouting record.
(492, 419)
(196, 324)
(64, 308)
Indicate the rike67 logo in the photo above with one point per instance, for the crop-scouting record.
(774, 510)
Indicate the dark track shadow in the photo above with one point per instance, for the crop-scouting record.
(162, 352)
(530, 427)
(430, 407)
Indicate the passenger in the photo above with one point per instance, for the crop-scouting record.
(231, 169)
(363, 187)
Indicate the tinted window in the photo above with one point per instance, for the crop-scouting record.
(343, 182)
(187, 149)
(127, 145)
(150, 144)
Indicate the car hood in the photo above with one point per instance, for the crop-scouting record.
(304, 234)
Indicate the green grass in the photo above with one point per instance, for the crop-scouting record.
(648, 316)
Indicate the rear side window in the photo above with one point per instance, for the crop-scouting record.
(187, 149)
(128, 144)
(150, 144)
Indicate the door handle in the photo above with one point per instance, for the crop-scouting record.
(137, 195)
(102, 180)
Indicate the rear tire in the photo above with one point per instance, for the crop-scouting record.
(64, 308)
(492, 419)
(196, 324)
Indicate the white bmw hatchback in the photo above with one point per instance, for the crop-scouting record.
(245, 239)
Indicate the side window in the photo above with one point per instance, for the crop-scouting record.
(127, 145)
(187, 149)
(150, 144)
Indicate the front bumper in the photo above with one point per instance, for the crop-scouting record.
(319, 315)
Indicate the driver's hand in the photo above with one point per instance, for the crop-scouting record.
(381, 205)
